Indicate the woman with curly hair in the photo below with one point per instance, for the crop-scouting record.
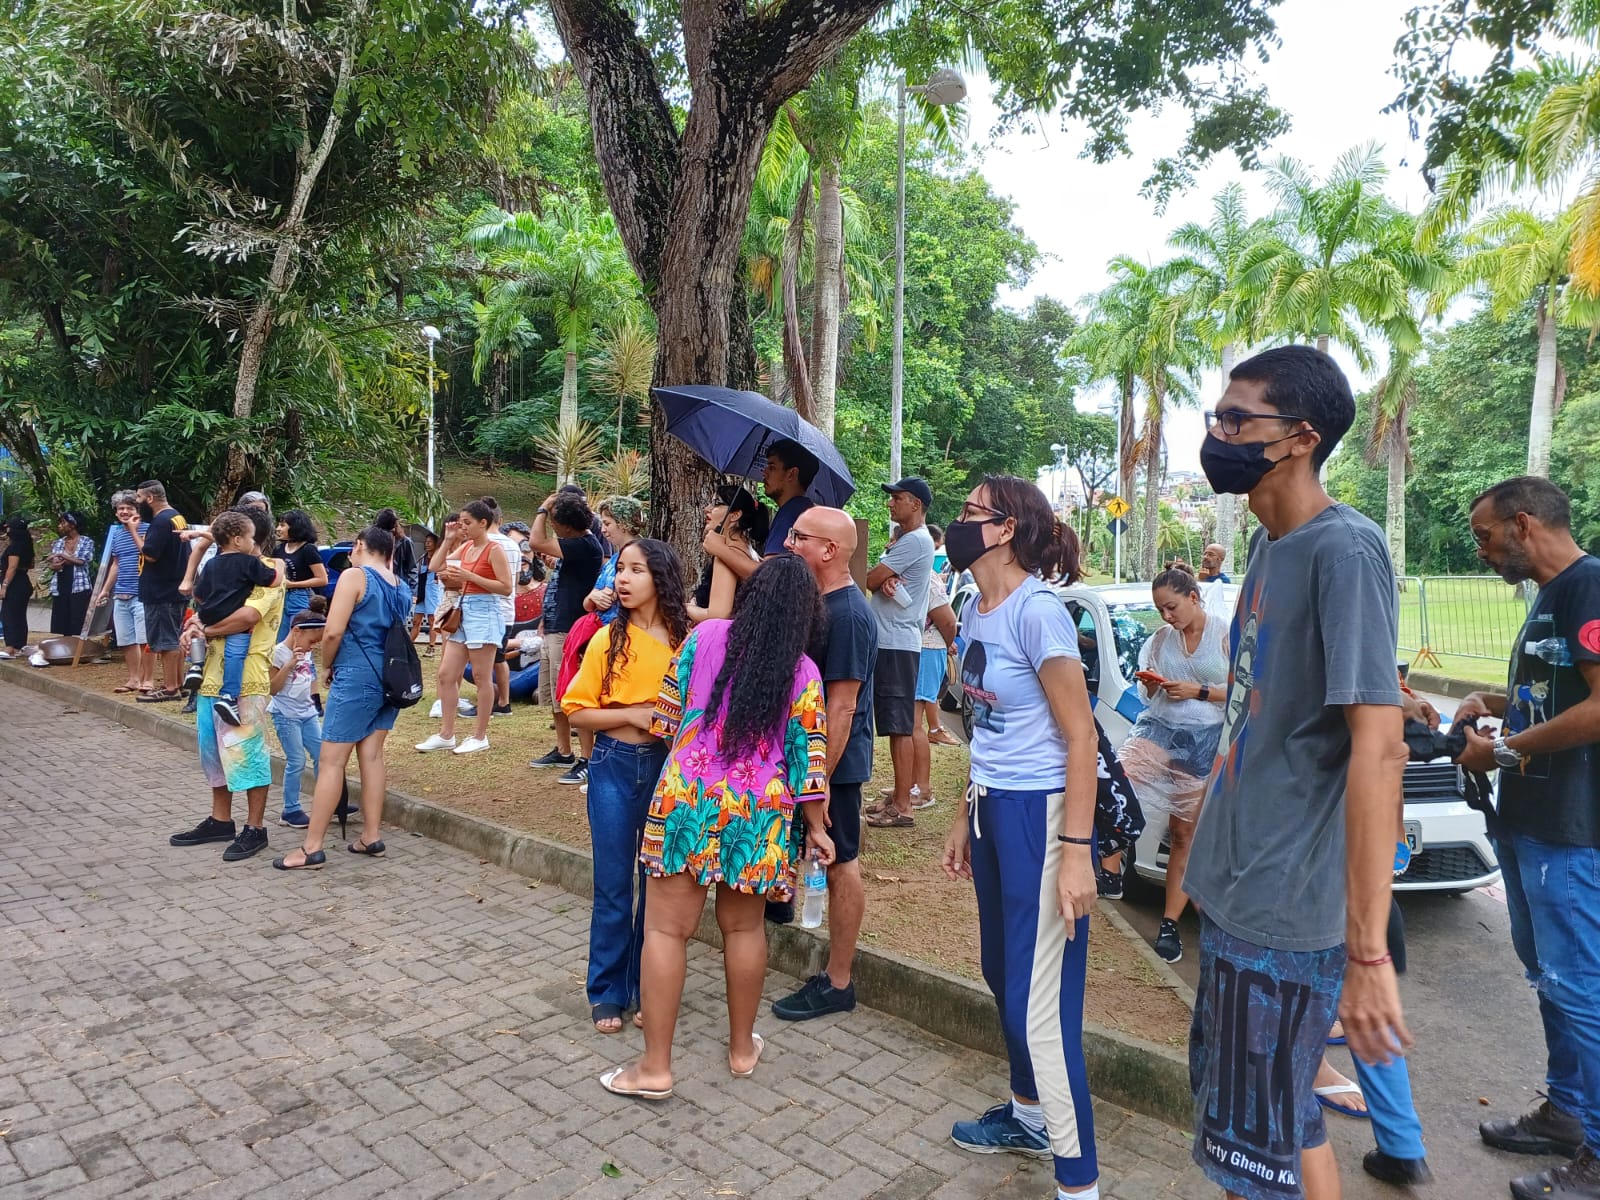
(743, 707)
(613, 696)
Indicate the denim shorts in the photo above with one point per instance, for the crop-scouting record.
(482, 622)
(127, 615)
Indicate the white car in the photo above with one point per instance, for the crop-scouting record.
(1451, 851)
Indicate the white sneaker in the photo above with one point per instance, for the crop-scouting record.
(472, 745)
(436, 711)
(435, 742)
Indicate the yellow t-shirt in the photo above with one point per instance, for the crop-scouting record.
(263, 637)
(637, 679)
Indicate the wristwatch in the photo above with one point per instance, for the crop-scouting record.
(1205, 691)
(1505, 756)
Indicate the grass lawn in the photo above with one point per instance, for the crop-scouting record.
(1471, 626)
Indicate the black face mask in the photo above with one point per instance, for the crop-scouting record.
(963, 541)
(1237, 467)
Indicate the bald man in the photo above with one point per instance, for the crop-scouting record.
(825, 538)
(1211, 565)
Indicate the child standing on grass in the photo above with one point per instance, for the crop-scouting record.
(224, 585)
(294, 708)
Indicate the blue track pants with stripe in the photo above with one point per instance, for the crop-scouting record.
(1034, 971)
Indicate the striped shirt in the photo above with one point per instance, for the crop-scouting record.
(126, 551)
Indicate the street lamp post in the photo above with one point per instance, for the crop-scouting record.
(944, 86)
(430, 335)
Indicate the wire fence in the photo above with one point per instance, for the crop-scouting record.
(1468, 616)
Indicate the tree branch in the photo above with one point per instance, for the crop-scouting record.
(790, 43)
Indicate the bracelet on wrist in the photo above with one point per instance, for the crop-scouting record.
(1072, 841)
(1370, 962)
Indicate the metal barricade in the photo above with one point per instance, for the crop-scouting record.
(1471, 616)
(1413, 614)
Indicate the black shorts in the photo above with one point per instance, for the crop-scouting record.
(1261, 1018)
(844, 813)
(894, 692)
(163, 624)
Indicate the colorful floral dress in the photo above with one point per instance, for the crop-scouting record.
(728, 821)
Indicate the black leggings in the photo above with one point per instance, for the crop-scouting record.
(67, 613)
(14, 612)
(1397, 936)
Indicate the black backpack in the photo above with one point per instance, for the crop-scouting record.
(401, 672)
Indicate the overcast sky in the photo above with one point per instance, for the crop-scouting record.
(1331, 75)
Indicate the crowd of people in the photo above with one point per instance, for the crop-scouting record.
(723, 732)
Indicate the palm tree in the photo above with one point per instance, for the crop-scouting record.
(570, 263)
(1228, 302)
(1337, 269)
(1107, 343)
(621, 367)
(1517, 255)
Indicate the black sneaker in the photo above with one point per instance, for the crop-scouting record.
(554, 759)
(250, 842)
(192, 703)
(209, 830)
(226, 709)
(1544, 1129)
(817, 997)
(500, 710)
(1402, 1172)
(578, 774)
(193, 677)
(1576, 1180)
(1168, 944)
(1109, 884)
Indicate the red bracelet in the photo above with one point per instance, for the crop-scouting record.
(1370, 962)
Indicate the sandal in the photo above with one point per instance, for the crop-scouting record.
(124, 689)
(890, 819)
(371, 850)
(609, 1082)
(160, 696)
(606, 1012)
(1341, 1089)
(314, 861)
(760, 1046)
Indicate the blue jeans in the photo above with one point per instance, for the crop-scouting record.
(294, 600)
(1553, 899)
(622, 779)
(300, 737)
(1395, 1124)
(235, 649)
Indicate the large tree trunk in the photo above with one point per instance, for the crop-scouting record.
(796, 364)
(1150, 545)
(829, 291)
(1227, 502)
(1395, 506)
(681, 201)
(1542, 419)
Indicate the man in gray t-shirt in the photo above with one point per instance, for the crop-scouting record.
(899, 587)
(1305, 794)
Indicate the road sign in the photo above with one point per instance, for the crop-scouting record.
(1117, 525)
(1117, 508)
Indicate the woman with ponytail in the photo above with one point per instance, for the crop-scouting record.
(1026, 833)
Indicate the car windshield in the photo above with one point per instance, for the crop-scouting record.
(1132, 624)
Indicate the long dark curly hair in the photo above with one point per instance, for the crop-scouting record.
(775, 615)
(666, 569)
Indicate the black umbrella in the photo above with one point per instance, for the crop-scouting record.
(731, 430)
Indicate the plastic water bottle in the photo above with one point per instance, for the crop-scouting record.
(816, 885)
(1552, 650)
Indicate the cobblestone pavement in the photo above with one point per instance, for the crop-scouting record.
(171, 1025)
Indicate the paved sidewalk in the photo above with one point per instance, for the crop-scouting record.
(171, 1025)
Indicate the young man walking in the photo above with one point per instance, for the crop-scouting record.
(1547, 835)
(899, 587)
(826, 538)
(1293, 854)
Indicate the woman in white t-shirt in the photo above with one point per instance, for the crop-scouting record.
(1025, 835)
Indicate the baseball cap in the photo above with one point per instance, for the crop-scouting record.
(917, 487)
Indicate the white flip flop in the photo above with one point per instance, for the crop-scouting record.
(609, 1082)
(1341, 1089)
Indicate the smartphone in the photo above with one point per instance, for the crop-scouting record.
(1149, 677)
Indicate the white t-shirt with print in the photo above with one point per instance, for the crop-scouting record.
(294, 702)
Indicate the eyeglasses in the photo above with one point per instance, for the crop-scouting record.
(800, 535)
(969, 514)
(1233, 419)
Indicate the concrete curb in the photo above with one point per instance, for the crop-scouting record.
(1445, 685)
(1129, 1071)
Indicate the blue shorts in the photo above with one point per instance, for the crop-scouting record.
(1261, 1020)
(483, 623)
(931, 673)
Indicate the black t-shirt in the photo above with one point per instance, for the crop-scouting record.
(405, 562)
(1557, 797)
(851, 653)
(226, 582)
(164, 559)
(301, 564)
(581, 559)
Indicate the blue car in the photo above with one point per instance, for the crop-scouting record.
(336, 558)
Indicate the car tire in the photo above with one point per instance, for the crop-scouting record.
(966, 718)
(947, 702)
